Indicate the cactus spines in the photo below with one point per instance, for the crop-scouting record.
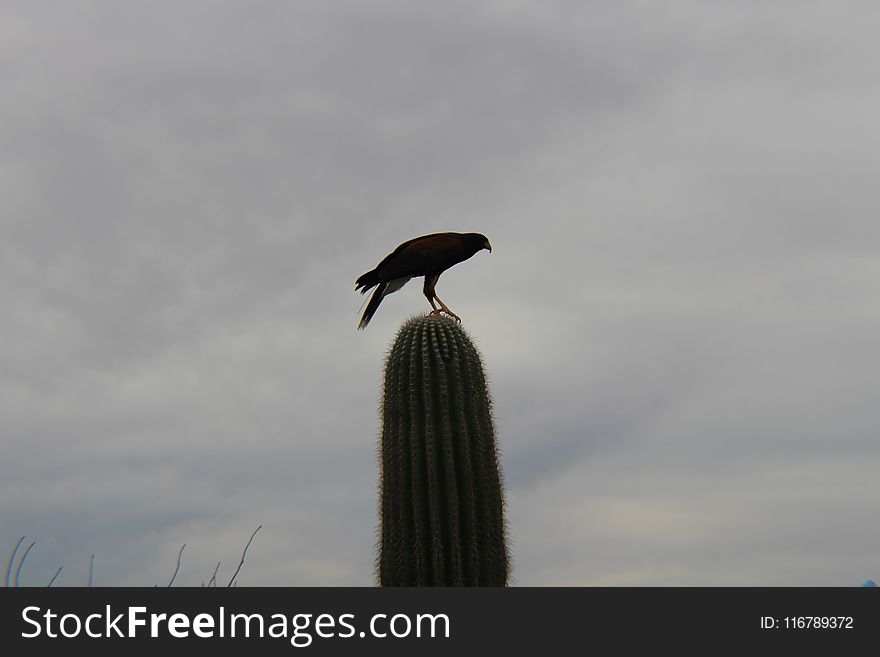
(442, 503)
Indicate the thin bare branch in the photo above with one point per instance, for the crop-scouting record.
(235, 574)
(11, 559)
(21, 563)
(52, 581)
(214, 576)
(177, 570)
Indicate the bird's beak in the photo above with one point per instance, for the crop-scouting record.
(488, 246)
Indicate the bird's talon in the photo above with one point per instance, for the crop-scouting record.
(440, 312)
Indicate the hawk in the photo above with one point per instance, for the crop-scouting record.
(428, 256)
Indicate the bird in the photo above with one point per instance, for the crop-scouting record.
(428, 256)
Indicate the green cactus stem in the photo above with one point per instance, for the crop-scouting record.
(442, 502)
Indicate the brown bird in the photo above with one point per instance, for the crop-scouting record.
(428, 256)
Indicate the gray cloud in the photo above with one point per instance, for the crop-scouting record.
(678, 316)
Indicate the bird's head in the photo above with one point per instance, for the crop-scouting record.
(480, 241)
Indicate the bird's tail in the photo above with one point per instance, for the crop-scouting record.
(366, 281)
(375, 300)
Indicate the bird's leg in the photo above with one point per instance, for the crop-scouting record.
(446, 310)
(428, 291)
(430, 282)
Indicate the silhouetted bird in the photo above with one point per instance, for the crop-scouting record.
(428, 256)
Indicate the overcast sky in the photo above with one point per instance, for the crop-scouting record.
(680, 316)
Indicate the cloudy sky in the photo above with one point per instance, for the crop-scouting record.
(680, 317)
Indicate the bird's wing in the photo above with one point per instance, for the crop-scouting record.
(422, 255)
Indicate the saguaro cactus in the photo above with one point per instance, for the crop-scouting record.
(442, 502)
